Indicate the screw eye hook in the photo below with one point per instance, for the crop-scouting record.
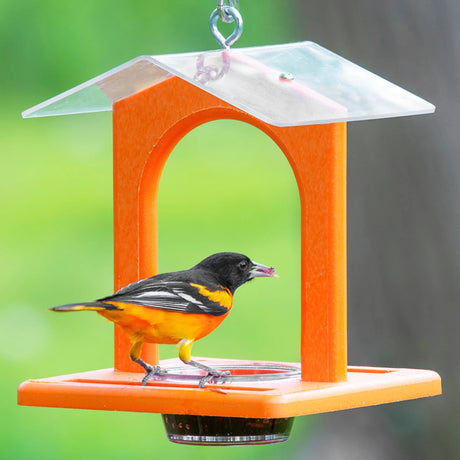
(227, 13)
(221, 8)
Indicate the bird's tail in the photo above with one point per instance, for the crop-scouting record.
(89, 306)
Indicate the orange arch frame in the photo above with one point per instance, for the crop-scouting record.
(149, 124)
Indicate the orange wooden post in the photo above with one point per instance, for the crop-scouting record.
(149, 124)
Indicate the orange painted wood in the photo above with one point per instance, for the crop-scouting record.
(107, 389)
(148, 125)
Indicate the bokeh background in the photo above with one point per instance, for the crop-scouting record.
(56, 221)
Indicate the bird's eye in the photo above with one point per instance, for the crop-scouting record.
(243, 265)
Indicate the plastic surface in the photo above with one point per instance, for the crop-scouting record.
(317, 155)
(321, 86)
(147, 126)
(113, 390)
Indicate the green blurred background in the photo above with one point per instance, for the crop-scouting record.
(56, 221)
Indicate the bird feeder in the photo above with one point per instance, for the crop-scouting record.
(301, 95)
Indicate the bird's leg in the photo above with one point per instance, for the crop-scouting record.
(185, 349)
(150, 370)
(214, 375)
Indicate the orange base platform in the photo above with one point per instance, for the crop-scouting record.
(107, 389)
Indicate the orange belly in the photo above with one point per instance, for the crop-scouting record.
(161, 326)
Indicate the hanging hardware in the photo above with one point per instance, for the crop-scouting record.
(227, 12)
(223, 14)
(206, 73)
(286, 76)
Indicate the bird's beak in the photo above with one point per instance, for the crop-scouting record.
(262, 270)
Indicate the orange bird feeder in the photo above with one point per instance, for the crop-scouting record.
(301, 95)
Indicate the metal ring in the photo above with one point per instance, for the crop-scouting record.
(232, 38)
(223, 14)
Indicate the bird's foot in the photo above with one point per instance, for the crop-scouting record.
(214, 376)
(152, 371)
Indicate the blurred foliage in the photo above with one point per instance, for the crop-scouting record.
(50, 46)
(225, 187)
(57, 202)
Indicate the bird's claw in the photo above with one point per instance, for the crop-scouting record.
(214, 377)
(152, 372)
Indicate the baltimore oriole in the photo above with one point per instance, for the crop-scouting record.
(178, 307)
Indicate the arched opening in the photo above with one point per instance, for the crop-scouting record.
(228, 187)
(156, 121)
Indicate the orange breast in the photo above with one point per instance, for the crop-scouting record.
(160, 326)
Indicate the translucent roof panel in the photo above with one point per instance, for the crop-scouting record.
(284, 85)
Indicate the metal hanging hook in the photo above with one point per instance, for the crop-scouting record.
(228, 13)
(224, 16)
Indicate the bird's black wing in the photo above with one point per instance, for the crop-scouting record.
(166, 294)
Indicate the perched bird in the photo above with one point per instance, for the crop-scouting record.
(177, 308)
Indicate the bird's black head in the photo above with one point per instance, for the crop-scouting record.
(232, 269)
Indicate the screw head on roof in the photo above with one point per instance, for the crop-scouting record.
(286, 76)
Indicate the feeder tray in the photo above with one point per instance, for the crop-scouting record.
(300, 95)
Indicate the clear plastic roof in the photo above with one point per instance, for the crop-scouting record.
(284, 85)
